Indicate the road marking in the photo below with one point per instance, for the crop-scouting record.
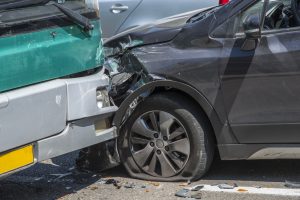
(254, 190)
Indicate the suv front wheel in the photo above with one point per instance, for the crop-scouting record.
(167, 138)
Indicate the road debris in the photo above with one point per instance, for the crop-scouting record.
(226, 186)
(184, 193)
(197, 187)
(60, 176)
(127, 185)
(114, 182)
(71, 169)
(133, 186)
(156, 184)
(290, 184)
(187, 193)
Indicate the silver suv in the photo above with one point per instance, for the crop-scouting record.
(120, 15)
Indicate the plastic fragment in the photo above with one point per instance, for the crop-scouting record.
(132, 185)
(71, 168)
(186, 193)
(38, 178)
(183, 193)
(60, 176)
(291, 184)
(110, 181)
(197, 187)
(226, 186)
(129, 185)
(101, 181)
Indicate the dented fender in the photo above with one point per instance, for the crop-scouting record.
(147, 89)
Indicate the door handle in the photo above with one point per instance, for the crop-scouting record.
(118, 8)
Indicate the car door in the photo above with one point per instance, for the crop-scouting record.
(261, 87)
(151, 10)
(113, 13)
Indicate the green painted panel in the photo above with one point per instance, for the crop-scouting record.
(39, 56)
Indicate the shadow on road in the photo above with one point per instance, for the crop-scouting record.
(42, 182)
(258, 170)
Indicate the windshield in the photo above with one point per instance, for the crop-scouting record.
(203, 14)
(20, 11)
(6, 5)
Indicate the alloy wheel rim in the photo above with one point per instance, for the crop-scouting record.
(159, 144)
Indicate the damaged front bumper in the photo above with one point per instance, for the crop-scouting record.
(54, 118)
(88, 118)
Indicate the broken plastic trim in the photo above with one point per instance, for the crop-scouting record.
(127, 75)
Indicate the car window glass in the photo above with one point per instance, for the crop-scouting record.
(279, 15)
(235, 25)
(252, 15)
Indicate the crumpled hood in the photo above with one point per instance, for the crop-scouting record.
(162, 30)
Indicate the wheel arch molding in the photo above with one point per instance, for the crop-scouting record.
(154, 86)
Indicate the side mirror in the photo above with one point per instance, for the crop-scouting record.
(251, 26)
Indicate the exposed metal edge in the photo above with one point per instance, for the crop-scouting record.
(276, 153)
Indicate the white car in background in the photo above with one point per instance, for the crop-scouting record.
(120, 15)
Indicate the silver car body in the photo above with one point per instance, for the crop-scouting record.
(120, 15)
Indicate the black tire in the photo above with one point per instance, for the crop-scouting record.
(197, 128)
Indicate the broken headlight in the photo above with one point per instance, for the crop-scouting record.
(102, 98)
(111, 51)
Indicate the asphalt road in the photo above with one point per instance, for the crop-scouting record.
(43, 181)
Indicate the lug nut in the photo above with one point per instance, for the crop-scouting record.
(155, 135)
(158, 152)
(167, 148)
(165, 138)
(152, 144)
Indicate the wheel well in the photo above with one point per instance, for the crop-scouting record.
(186, 95)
